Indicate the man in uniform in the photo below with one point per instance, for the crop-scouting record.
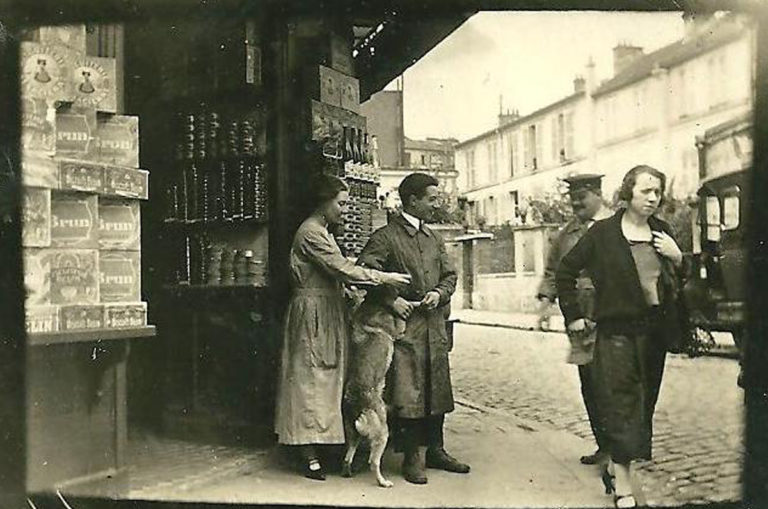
(419, 386)
(587, 202)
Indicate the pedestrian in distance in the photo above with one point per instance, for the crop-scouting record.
(635, 265)
(419, 386)
(310, 384)
(586, 199)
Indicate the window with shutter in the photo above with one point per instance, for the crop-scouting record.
(537, 161)
(569, 149)
(512, 154)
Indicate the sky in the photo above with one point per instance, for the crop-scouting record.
(529, 58)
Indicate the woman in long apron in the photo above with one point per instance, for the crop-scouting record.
(313, 358)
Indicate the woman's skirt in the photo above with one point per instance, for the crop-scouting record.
(311, 383)
(628, 368)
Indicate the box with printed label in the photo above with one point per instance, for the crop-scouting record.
(45, 72)
(95, 85)
(37, 277)
(39, 171)
(38, 126)
(41, 319)
(71, 36)
(122, 315)
(120, 276)
(119, 224)
(118, 140)
(76, 130)
(36, 217)
(81, 176)
(126, 182)
(74, 275)
(79, 317)
(74, 220)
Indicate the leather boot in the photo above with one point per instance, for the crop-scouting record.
(414, 468)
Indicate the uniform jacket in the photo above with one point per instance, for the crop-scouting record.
(420, 382)
(564, 241)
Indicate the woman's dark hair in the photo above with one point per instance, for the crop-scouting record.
(415, 184)
(325, 188)
(630, 179)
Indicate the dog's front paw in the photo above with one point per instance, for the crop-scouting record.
(385, 483)
(346, 470)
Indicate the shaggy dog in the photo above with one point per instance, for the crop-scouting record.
(374, 332)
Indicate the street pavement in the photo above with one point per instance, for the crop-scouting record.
(698, 430)
(513, 465)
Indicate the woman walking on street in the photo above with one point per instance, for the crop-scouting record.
(634, 263)
(313, 359)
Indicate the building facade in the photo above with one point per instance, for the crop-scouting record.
(649, 112)
(384, 114)
(434, 156)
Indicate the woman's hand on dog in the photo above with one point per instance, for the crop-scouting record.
(396, 279)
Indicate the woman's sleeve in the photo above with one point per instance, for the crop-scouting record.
(320, 248)
(568, 271)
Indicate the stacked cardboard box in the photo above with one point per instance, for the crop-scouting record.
(82, 183)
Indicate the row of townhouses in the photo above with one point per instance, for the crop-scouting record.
(649, 112)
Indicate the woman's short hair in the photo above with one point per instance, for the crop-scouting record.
(325, 188)
(630, 179)
(415, 184)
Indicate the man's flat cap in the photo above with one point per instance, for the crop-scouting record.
(583, 181)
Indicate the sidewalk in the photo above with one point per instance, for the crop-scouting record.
(522, 321)
(530, 322)
(514, 464)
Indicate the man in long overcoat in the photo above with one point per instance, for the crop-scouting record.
(419, 385)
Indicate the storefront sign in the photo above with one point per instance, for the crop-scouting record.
(39, 171)
(118, 140)
(45, 72)
(125, 315)
(126, 182)
(81, 176)
(74, 219)
(41, 319)
(119, 224)
(77, 317)
(120, 276)
(38, 126)
(36, 217)
(74, 276)
(75, 134)
(95, 85)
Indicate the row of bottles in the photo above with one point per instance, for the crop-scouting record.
(199, 261)
(219, 173)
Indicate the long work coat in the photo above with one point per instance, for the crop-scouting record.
(420, 381)
(315, 335)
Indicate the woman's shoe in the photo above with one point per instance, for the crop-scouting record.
(314, 470)
(609, 481)
(623, 501)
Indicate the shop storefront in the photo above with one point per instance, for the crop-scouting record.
(165, 165)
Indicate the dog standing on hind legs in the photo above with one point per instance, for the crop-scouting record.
(373, 336)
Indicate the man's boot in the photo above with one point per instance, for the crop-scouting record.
(414, 468)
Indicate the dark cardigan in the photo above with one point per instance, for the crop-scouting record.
(605, 253)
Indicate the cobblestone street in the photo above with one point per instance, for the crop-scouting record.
(698, 428)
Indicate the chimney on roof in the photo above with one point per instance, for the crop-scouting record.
(623, 56)
(508, 117)
(579, 84)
